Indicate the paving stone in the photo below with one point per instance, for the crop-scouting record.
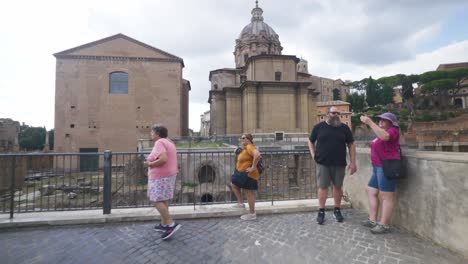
(287, 238)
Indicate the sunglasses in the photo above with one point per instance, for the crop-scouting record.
(334, 113)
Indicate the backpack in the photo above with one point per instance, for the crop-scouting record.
(260, 165)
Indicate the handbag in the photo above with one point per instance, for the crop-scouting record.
(392, 168)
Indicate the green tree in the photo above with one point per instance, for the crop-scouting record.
(51, 139)
(386, 95)
(407, 86)
(438, 83)
(33, 138)
(357, 102)
(336, 94)
(406, 82)
(372, 93)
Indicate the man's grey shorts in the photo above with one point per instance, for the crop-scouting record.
(329, 174)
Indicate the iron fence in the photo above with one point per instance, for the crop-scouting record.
(106, 180)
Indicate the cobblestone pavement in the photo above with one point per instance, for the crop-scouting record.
(286, 238)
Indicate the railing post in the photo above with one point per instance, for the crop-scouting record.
(107, 199)
(12, 190)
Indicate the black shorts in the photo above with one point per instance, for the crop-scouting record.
(241, 180)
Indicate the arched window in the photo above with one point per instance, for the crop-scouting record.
(458, 103)
(118, 83)
(336, 94)
(206, 174)
(206, 198)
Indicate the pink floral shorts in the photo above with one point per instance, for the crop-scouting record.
(161, 189)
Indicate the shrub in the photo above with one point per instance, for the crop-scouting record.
(404, 114)
(443, 116)
(190, 184)
(428, 117)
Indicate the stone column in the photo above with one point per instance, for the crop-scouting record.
(16, 147)
(46, 148)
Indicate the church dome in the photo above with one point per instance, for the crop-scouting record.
(258, 28)
(256, 38)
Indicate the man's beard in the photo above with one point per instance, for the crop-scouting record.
(334, 121)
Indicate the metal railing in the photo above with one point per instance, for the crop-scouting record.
(82, 181)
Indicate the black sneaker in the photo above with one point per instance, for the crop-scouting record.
(321, 217)
(338, 216)
(160, 228)
(169, 231)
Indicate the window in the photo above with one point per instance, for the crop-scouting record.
(243, 78)
(277, 76)
(118, 83)
(72, 126)
(216, 87)
(246, 56)
(279, 136)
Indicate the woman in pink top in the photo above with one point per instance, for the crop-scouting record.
(385, 146)
(162, 173)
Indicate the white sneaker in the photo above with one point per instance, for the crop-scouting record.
(238, 205)
(248, 217)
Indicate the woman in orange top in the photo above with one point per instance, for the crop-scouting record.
(246, 176)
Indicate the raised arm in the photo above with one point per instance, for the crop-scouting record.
(379, 132)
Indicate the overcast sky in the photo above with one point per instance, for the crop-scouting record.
(339, 38)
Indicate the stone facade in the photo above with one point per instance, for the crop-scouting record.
(9, 131)
(267, 92)
(460, 98)
(205, 124)
(149, 89)
(343, 108)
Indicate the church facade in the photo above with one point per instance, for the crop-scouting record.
(110, 92)
(267, 91)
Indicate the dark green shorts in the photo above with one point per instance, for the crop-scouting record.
(327, 175)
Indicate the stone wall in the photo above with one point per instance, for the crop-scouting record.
(6, 171)
(448, 135)
(24, 165)
(431, 202)
(9, 131)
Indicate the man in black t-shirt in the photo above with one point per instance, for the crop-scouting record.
(327, 145)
